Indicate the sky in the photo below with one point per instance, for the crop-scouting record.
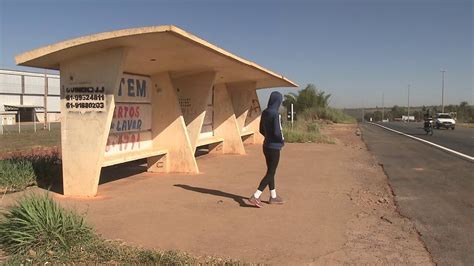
(356, 50)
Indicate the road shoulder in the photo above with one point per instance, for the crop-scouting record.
(432, 188)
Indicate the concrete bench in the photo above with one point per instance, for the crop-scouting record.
(247, 137)
(215, 143)
(208, 141)
(246, 133)
(156, 159)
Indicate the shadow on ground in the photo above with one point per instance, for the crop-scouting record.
(117, 172)
(239, 199)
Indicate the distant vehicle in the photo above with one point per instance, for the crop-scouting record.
(444, 120)
(428, 126)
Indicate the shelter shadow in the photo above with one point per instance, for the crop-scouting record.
(117, 172)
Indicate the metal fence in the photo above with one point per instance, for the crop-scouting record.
(28, 127)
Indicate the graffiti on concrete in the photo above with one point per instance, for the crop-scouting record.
(127, 142)
(254, 108)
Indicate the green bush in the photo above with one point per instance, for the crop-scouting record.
(303, 132)
(16, 174)
(328, 113)
(38, 224)
(19, 172)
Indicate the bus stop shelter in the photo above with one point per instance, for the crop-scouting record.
(153, 92)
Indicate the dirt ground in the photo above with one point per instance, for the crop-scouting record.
(339, 208)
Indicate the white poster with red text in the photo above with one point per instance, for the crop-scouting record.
(130, 130)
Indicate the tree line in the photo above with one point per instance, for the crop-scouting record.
(463, 112)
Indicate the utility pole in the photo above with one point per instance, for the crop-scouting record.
(45, 99)
(292, 117)
(383, 106)
(408, 113)
(363, 114)
(442, 90)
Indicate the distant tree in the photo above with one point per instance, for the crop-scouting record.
(397, 112)
(450, 108)
(464, 112)
(367, 116)
(322, 99)
(418, 115)
(289, 99)
(378, 116)
(307, 98)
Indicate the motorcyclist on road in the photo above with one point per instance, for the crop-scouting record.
(428, 123)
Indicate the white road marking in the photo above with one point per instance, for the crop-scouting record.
(465, 156)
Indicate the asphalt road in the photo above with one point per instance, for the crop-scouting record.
(433, 188)
(461, 139)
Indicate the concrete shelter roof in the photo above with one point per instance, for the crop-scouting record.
(155, 49)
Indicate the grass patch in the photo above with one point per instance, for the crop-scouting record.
(27, 140)
(38, 224)
(99, 251)
(38, 231)
(16, 175)
(304, 132)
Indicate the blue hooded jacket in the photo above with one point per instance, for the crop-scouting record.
(270, 123)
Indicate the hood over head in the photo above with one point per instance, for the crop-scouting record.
(275, 100)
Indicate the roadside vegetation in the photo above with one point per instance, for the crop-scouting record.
(37, 230)
(463, 112)
(19, 172)
(16, 175)
(12, 141)
(312, 113)
(304, 132)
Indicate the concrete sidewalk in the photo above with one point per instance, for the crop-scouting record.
(339, 208)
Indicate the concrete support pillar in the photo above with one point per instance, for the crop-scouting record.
(252, 122)
(168, 126)
(247, 110)
(84, 133)
(193, 92)
(225, 122)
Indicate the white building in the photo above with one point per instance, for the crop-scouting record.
(26, 96)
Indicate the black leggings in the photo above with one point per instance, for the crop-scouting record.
(272, 157)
